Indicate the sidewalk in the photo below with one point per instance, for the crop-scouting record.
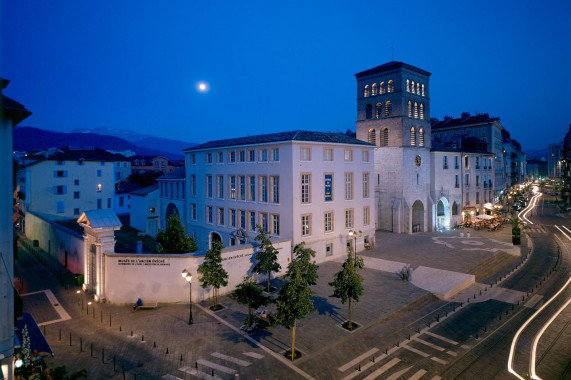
(139, 340)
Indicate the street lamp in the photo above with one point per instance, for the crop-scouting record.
(188, 277)
(354, 234)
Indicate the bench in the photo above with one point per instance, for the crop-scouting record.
(149, 304)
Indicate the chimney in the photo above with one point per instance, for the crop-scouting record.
(447, 118)
(465, 115)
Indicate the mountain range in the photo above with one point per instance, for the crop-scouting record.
(31, 138)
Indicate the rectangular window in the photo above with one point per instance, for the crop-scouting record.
(209, 216)
(348, 155)
(466, 162)
(365, 156)
(366, 216)
(477, 180)
(305, 154)
(243, 219)
(264, 221)
(60, 190)
(232, 156)
(220, 216)
(242, 156)
(252, 188)
(365, 185)
(456, 164)
(252, 220)
(80, 162)
(232, 220)
(263, 188)
(275, 224)
(477, 197)
(193, 159)
(329, 249)
(445, 162)
(328, 221)
(76, 211)
(60, 173)
(477, 162)
(208, 186)
(99, 203)
(193, 185)
(467, 199)
(232, 242)
(76, 182)
(251, 155)
(220, 186)
(209, 157)
(328, 154)
(467, 180)
(99, 172)
(275, 183)
(232, 187)
(328, 187)
(456, 183)
(108, 202)
(305, 188)
(121, 201)
(349, 218)
(76, 195)
(220, 157)
(348, 186)
(275, 154)
(305, 225)
(60, 207)
(242, 186)
(263, 155)
(59, 162)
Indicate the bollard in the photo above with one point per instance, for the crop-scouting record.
(120, 329)
(485, 328)
(373, 358)
(154, 344)
(60, 334)
(474, 295)
(468, 300)
(506, 312)
(386, 351)
(418, 330)
(70, 338)
(196, 365)
(131, 332)
(80, 344)
(44, 330)
(167, 350)
(438, 317)
(407, 338)
(500, 317)
(109, 320)
(123, 369)
(181, 357)
(91, 350)
(486, 289)
(359, 369)
(114, 363)
(103, 355)
(446, 313)
(480, 292)
(101, 316)
(512, 307)
(476, 335)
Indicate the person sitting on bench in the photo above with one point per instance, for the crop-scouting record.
(138, 304)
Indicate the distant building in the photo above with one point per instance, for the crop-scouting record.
(537, 169)
(172, 196)
(140, 164)
(122, 168)
(314, 187)
(145, 210)
(554, 160)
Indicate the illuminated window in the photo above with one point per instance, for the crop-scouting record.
(378, 110)
(231, 187)
(391, 86)
(412, 86)
(417, 88)
(369, 112)
(415, 110)
(422, 111)
(366, 216)
(388, 108)
(384, 137)
(409, 108)
(382, 88)
(220, 216)
(374, 89)
(421, 137)
(413, 136)
(305, 225)
(99, 187)
(367, 91)
(372, 138)
(407, 85)
(422, 90)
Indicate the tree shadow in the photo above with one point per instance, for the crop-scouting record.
(324, 307)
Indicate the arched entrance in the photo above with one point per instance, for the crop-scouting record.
(214, 236)
(171, 209)
(442, 214)
(417, 216)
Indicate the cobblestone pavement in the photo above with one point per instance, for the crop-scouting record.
(113, 341)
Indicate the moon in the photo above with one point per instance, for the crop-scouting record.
(202, 86)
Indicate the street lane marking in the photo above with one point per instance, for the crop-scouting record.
(241, 363)
(358, 359)
(417, 375)
(412, 349)
(533, 301)
(253, 355)
(383, 369)
(357, 373)
(429, 344)
(398, 374)
(199, 374)
(217, 367)
(63, 315)
(170, 377)
(438, 360)
(442, 338)
(436, 378)
(451, 353)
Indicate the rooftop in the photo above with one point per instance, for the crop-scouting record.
(177, 173)
(391, 66)
(466, 119)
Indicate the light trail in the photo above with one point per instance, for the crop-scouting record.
(563, 232)
(567, 229)
(528, 209)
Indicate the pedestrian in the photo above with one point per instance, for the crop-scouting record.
(403, 273)
(408, 273)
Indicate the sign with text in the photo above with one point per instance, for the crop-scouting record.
(328, 187)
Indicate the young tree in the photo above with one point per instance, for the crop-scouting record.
(175, 239)
(294, 300)
(348, 284)
(517, 227)
(213, 274)
(251, 294)
(267, 256)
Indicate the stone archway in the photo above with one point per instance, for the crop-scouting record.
(171, 209)
(214, 236)
(417, 216)
(442, 214)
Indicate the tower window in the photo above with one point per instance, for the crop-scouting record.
(413, 136)
(384, 137)
(388, 108)
(422, 111)
(417, 88)
(367, 91)
(382, 88)
(423, 90)
(415, 110)
(372, 136)
(421, 137)
(407, 85)
(412, 87)
(374, 89)
(409, 108)
(369, 112)
(391, 86)
(378, 110)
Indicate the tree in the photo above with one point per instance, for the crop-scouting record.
(213, 274)
(251, 294)
(175, 239)
(348, 284)
(517, 227)
(294, 300)
(267, 256)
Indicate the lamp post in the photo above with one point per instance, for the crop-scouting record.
(188, 277)
(354, 234)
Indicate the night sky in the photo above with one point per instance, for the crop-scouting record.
(277, 66)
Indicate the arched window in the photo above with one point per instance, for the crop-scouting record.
(417, 88)
(407, 85)
(372, 136)
(422, 111)
(440, 208)
(421, 137)
(412, 87)
(415, 110)
(409, 108)
(454, 208)
(413, 136)
(423, 90)
(382, 88)
(369, 112)
(378, 110)
(367, 91)
(388, 108)
(171, 209)
(384, 136)
(374, 91)
(391, 86)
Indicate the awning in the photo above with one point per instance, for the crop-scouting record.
(469, 208)
(37, 340)
(484, 216)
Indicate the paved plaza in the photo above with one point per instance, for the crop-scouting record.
(113, 341)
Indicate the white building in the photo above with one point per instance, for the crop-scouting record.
(66, 184)
(313, 187)
(144, 210)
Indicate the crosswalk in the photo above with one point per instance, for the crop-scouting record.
(209, 369)
(428, 350)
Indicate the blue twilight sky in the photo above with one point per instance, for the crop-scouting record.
(276, 66)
